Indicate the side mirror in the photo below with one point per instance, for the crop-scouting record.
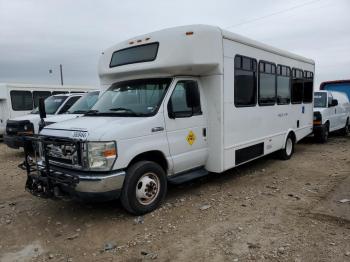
(334, 102)
(42, 111)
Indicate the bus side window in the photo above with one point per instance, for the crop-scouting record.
(283, 84)
(297, 86)
(245, 88)
(308, 86)
(267, 83)
(21, 100)
(59, 92)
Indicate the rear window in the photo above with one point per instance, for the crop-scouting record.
(135, 54)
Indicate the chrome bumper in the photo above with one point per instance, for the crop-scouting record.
(100, 184)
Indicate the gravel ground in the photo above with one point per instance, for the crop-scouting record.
(267, 210)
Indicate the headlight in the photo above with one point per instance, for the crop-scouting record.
(101, 155)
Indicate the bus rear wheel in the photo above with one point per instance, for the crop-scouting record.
(288, 150)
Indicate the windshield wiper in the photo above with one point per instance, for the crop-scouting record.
(80, 112)
(127, 110)
(92, 112)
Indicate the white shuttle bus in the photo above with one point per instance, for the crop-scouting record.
(20, 99)
(180, 103)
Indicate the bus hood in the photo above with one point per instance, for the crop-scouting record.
(97, 128)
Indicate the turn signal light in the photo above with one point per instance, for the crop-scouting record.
(110, 152)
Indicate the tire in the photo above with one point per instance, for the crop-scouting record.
(288, 150)
(345, 130)
(322, 136)
(144, 188)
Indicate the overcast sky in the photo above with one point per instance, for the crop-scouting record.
(38, 35)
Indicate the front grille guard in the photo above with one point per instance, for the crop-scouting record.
(42, 179)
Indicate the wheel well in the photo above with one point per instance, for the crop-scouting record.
(154, 156)
(292, 135)
(327, 123)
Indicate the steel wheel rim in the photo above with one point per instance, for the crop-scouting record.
(289, 146)
(147, 188)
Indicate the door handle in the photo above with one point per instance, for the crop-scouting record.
(157, 129)
(204, 132)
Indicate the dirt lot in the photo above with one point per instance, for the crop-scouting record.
(268, 210)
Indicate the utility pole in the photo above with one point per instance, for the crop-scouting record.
(61, 74)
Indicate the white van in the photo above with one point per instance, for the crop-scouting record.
(331, 113)
(20, 99)
(82, 106)
(29, 124)
(180, 103)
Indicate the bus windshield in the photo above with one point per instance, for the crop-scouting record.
(84, 103)
(320, 99)
(52, 104)
(140, 97)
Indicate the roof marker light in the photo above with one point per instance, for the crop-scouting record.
(139, 41)
(147, 39)
(131, 42)
(189, 33)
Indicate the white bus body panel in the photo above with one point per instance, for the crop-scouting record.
(246, 126)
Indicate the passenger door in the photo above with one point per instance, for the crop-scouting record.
(186, 125)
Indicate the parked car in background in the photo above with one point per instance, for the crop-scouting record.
(20, 99)
(338, 86)
(29, 124)
(82, 106)
(331, 113)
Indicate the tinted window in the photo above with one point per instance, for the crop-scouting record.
(68, 104)
(180, 97)
(136, 54)
(245, 81)
(297, 86)
(283, 84)
(267, 83)
(40, 94)
(308, 86)
(21, 100)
